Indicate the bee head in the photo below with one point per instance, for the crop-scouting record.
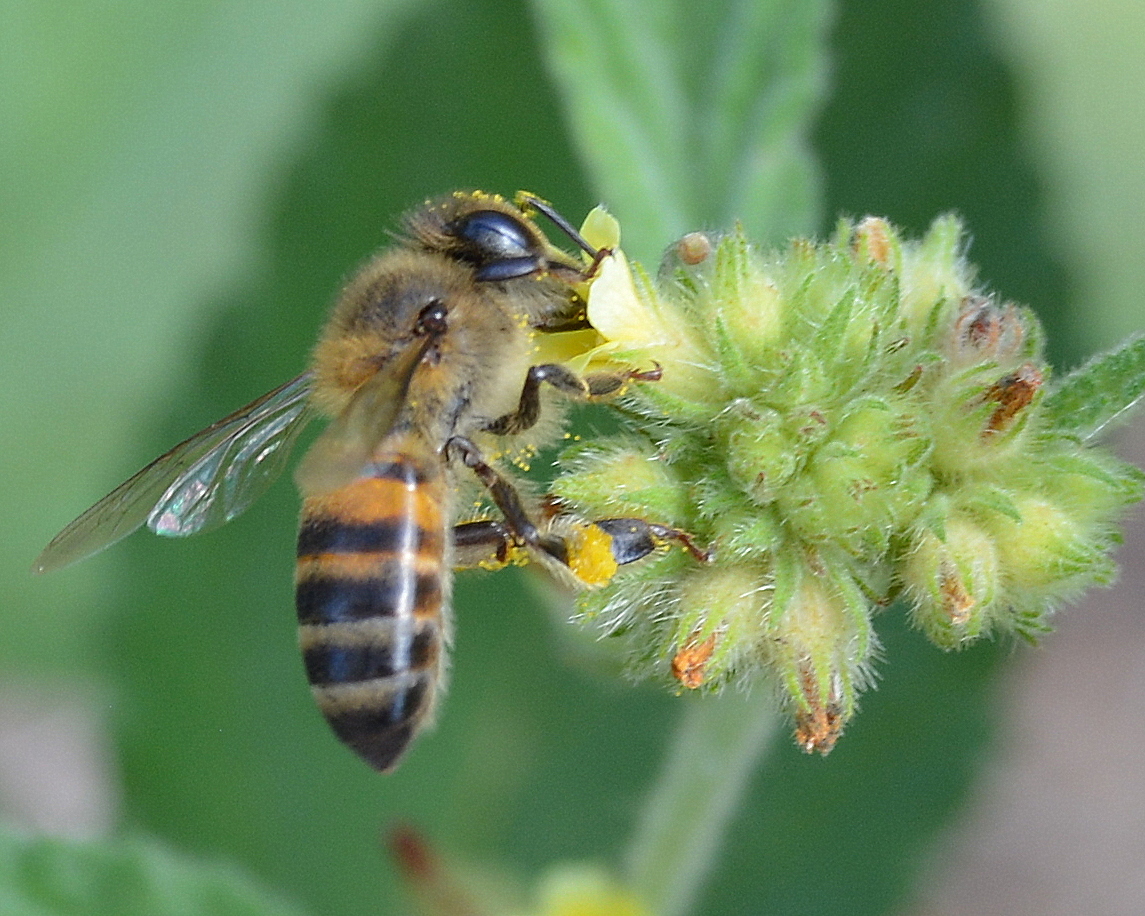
(492, 236)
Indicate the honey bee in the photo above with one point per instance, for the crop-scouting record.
(424, 367)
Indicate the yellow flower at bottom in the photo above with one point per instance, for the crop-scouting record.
(585, 890)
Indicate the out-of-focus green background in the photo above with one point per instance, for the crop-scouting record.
(182, 188)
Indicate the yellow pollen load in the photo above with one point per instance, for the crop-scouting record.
(592, 561)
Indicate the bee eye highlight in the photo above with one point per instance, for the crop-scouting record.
(494, 236)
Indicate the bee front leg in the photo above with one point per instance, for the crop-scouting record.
(597, 385)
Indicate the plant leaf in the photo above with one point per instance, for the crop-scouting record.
(53, 877)
(1101, 392)
(691, 115)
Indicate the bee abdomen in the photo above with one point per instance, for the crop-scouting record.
(371, 595)
(372, 704)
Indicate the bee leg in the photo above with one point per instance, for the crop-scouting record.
(529, 406)
(520, 527)
(597, 549)
(604, 384)
(598, 385)
(574, 319)
(633, 539)
(490, 544)
(485, 544)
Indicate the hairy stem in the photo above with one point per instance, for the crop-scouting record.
(714, 751)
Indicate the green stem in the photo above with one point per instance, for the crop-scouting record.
(715, 749)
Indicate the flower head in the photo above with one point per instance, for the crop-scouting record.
(841, 425)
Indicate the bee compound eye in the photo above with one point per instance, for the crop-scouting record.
(490, 235)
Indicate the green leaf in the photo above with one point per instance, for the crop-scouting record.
(693, 114)
(1101, 392)
(135, 877)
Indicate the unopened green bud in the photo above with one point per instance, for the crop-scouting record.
(934, 271)
(865, 482)
(1092, 486)
(728, 605)
(820, 646)
(745, 306)
(622, 479)
(1048, 552)
(952, 582)
(761, 453)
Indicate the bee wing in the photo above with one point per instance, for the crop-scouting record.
(200, 484)
(339, 456)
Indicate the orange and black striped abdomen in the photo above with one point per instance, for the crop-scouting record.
(372, 592)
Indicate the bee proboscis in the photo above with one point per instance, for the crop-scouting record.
(423, 365)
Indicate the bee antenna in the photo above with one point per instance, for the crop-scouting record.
(545, 208)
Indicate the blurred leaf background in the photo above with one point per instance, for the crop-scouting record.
(182, 187)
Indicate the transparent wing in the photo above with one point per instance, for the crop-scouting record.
(200, 484)
(345, 447)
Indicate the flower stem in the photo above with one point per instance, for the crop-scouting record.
(714, 751)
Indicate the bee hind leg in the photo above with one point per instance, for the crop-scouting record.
(633, 539)
(561, 536)
(483, 544)
(592, 550)
(518, 527)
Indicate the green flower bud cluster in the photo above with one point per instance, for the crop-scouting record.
(840, 425)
